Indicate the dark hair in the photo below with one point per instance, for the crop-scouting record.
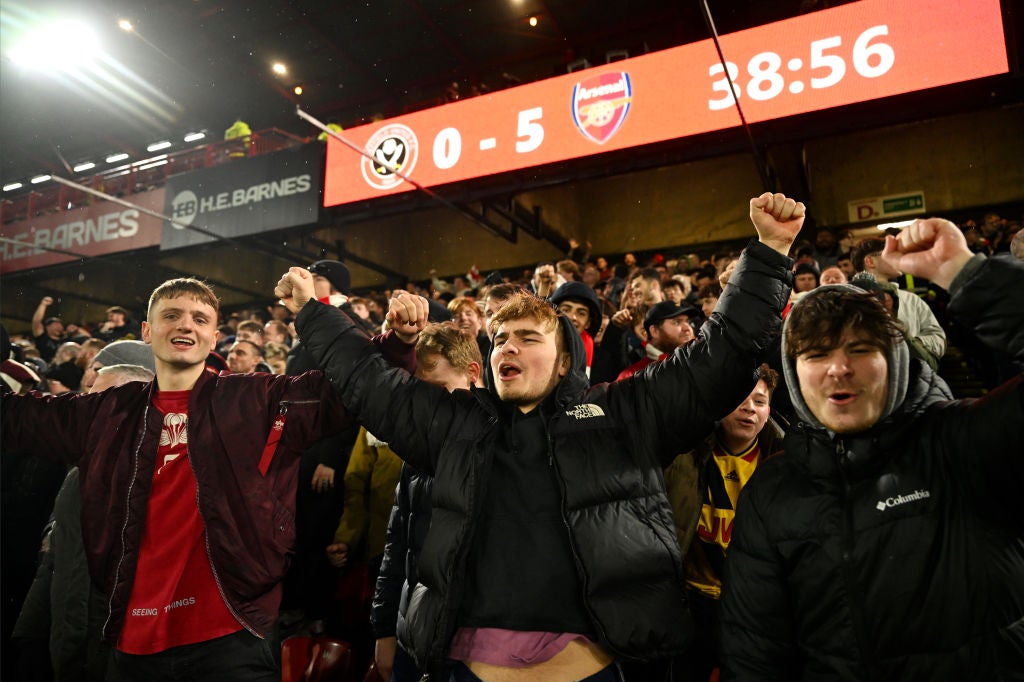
(646, 273)
(770, 378)
(709, 290)
(818, 322)
(569, 266)
(256, 347)
(503, 292)
(868, 247)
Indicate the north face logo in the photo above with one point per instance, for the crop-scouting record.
(585, 411)
(890, 502)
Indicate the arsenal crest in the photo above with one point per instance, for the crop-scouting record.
(600, 104)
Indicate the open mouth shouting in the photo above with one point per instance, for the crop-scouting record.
(841, 398)
(508, 371)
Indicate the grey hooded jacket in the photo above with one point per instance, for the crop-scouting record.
(896, 553)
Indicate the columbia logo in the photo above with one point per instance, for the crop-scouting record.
(890, 502)
(585, 411)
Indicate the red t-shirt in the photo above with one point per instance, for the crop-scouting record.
(175, 599)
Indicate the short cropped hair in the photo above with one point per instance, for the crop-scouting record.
(503, 292)
(255, 346)
(279, 327)
(184, 286)
(441, 338)
(569, 266)
(250, 326)
(868, 247)
(647, 273)
(818, 322)
(274, 349)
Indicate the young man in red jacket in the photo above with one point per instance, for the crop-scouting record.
(188, 493)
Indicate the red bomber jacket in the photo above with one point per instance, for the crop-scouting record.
(245, 484)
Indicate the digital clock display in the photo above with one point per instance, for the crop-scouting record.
(853, 53)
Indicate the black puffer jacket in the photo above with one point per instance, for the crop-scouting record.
(608, 445)
(897, 554)
(407, 532)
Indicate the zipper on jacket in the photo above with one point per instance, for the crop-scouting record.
(286, 403)
(127, 512)
(602, 633)
(856, 598)
(209, 555)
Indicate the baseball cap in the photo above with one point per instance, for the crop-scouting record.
(666, 310)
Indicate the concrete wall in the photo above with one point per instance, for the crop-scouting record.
(682, 205)
(958, 161)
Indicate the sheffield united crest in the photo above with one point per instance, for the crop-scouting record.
(600, 104)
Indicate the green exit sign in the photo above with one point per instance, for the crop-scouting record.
(911, 202)
(877, 208)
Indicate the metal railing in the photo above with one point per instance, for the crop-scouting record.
(144, 175)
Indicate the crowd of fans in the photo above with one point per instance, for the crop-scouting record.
(629, 313)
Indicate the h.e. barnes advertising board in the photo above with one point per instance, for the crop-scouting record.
(98, 229)
(244, 197)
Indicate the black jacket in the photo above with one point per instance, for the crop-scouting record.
(407, 533)
(608, 445)
(896, 554)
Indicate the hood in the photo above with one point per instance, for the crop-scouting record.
(897, 360)
(582, 293)
(575, 383)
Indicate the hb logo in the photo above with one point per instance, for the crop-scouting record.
(184, 208)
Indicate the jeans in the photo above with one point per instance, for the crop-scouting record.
(239, 657)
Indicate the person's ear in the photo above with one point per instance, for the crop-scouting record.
(473, 373)
(564, 363)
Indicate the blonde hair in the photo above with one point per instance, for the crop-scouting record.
(440, 338)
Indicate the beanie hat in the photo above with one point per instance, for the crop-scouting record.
(336, 273)
(582, 293)
(808, 267)
(67, 373)
(897, 360)
(868, 282)
(126, 353)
